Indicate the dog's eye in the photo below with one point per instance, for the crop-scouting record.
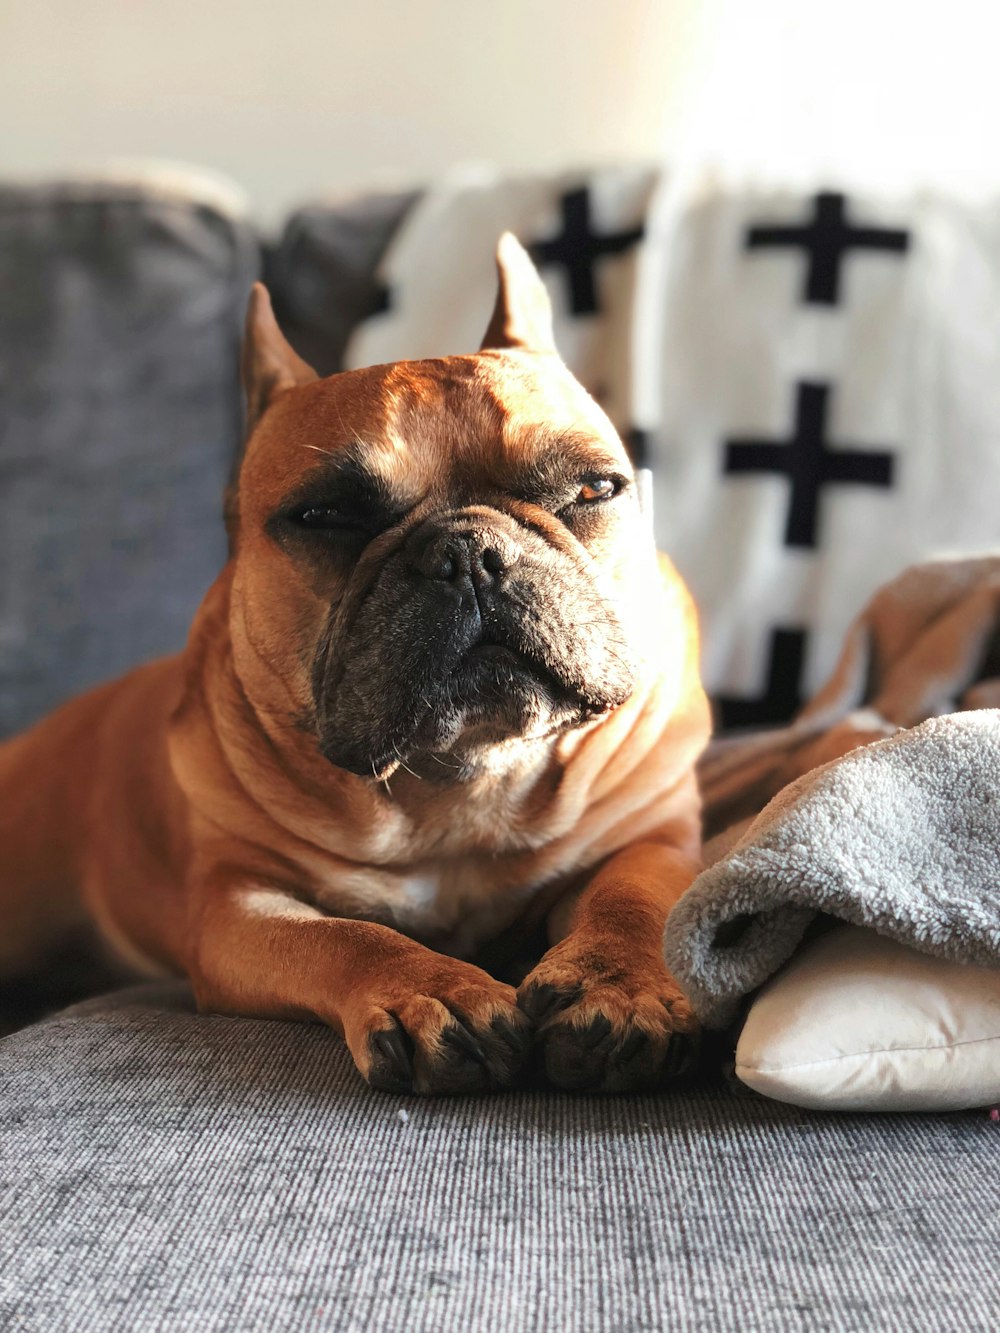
(319, 516)
(325, 518)
(598, 488)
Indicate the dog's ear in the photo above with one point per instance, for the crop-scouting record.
(522, 316)
(269, 364)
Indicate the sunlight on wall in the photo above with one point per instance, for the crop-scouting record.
(332, 95)
(328, 95)
(885, 91)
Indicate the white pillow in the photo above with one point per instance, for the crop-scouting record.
(857, 1022)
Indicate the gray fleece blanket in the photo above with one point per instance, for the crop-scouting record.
(901, 835)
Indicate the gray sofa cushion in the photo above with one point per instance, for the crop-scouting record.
(323, 272)
(119, 415)
(160, 1170)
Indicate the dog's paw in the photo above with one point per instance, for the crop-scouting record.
(455, 1031)
(605, 1027)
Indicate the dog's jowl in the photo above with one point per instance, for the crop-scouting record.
(443, 695)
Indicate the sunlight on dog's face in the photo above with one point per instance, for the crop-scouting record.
(453, 548)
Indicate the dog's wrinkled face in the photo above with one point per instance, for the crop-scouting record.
(438, 557)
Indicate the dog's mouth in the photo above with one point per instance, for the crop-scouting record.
(498, 686)
(492, 653)
(493, 693)
(501, 658)
(493, 650)
(429, 674)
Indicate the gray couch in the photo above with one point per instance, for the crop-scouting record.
(161, 1170)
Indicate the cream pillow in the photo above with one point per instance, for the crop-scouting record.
(857, 1022)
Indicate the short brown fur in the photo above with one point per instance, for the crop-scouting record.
(188, 810)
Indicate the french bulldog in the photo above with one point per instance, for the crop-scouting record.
(443, 694)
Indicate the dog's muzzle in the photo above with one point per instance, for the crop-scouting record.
(470, 627)
(467, 565)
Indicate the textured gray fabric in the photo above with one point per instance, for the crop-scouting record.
(160, 1170)
(902, 836)
(323, 273)
(119, 414)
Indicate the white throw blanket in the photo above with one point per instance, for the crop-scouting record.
(744, 315)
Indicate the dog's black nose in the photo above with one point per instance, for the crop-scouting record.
(477, 556)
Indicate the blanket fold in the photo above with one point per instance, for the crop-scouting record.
(927, 643)
(871, 807)
(902, 836)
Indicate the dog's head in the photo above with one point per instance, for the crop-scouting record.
(434, 558)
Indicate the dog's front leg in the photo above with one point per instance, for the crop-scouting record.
(609, 1016)
(414, 1020)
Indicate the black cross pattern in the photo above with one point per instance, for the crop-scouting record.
(636, 442)
(826, 240)
(782, 695)
(577, 248)
(808, 462)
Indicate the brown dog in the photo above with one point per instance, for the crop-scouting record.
(442, 690)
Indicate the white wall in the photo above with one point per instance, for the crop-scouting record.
(315, 96)
(895, 92)
(308, 96)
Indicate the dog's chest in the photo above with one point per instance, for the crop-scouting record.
(456, 905)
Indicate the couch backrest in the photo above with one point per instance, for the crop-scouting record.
(812, 375)
(119, 416)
